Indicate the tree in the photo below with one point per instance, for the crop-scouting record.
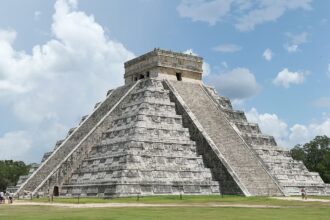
(10, 171)
(315, 155)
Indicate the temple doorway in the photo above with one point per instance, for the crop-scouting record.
(56, 191)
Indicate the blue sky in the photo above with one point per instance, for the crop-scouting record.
(58, 58)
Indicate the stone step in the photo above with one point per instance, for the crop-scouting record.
(46, 155)
(222, 101)
(146, 139)
(116, 188)
(83, 118)
(247, 127)
(58, 143)
(137, 105)
(139, 116)
(145, 146)
(259, 139)
(147, 126)
(70, 131)
(97, 105)
(234, 115)
(134, 176)
(228, 142)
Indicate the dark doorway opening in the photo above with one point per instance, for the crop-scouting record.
(179, 76)
(141, 76)
(56, 191)
(148, 74)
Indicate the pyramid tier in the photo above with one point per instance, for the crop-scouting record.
(145, 150)
(247, 127)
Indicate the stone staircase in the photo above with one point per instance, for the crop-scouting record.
(145, 151)
(67, 153)
(249, 173)
(292, 175)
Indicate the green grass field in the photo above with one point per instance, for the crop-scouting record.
(286, 209)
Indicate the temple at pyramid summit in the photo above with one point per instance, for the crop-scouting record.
(165, 132)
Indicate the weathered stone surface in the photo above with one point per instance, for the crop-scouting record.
(247, 171)
(146, 151)
(290, 174)
(64, 148)
(165, 132)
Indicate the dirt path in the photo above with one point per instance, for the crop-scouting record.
(301, 200)
(121, 205)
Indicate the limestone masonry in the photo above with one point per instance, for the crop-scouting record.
(165, 132)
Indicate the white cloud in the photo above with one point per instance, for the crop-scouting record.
(202, 10)
(227, 48)
(301, 134)
(14, 145)
(328, 73)
(7, 36)
(268, 54)
(206, 67)
(287, 136)
(246, 14)
(238, 84)
(286, 78)
(291, 48)
(48, 90)
(266, 11)
(295, 41)
(298, 38)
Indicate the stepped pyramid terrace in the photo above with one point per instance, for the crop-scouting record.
(165, 132)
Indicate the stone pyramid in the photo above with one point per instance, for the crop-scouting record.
(165, 132)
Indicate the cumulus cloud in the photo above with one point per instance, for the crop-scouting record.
(227, 48)
(295, 41)
(246, 14)
(300, 134)
(268, 54)
(268, 11)
(287, 136)
(238, 84)
(48, 90)
(207, 11)
(206, 67)
(286, 78)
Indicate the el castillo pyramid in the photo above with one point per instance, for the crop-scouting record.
(165, 132)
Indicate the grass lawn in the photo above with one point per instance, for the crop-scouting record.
(288, 209)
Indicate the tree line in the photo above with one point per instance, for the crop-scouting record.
(315, 155)
(10, 171)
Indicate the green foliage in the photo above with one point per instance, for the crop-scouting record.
(315, 155)
(10, 171)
